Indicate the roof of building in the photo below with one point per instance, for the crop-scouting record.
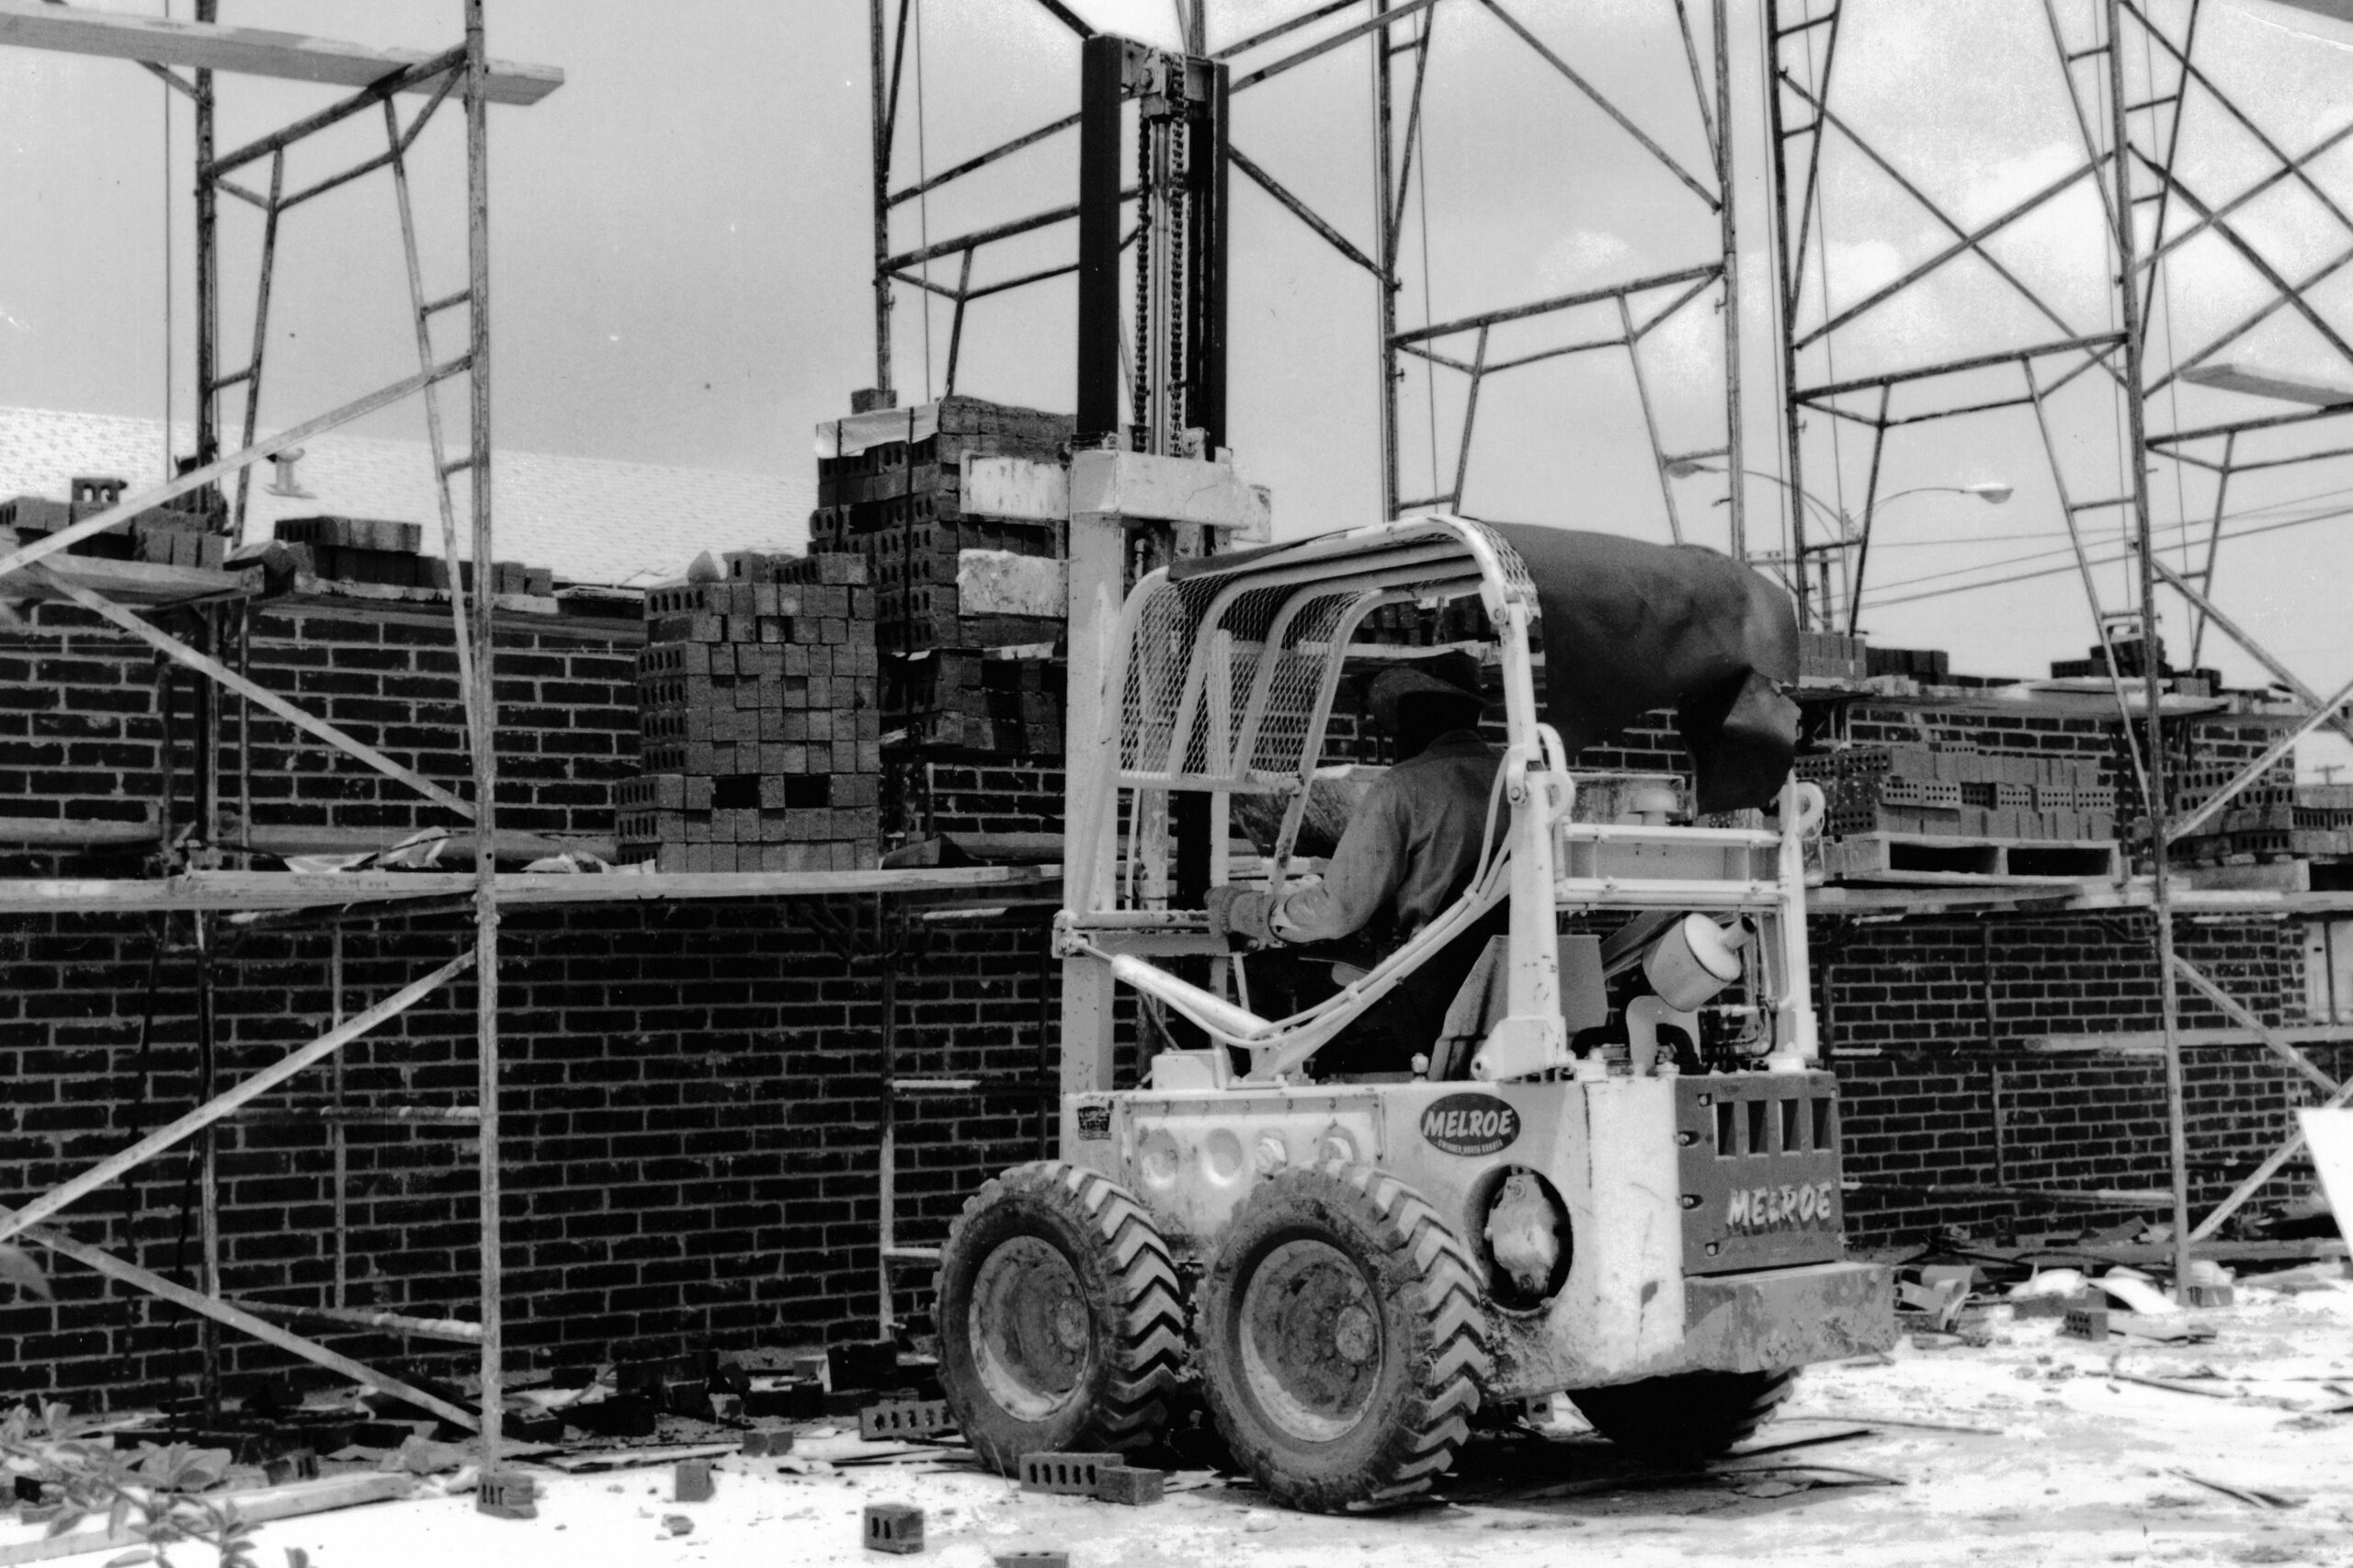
(590, 519)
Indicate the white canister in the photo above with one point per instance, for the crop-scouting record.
(1692, 962)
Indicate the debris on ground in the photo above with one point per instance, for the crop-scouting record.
(2201, 1445)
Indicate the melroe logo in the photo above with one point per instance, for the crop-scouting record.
(1470, 1124)
(1753, 1210)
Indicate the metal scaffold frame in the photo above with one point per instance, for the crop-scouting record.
(2140, 103)
(1387, 30)
(200, 50)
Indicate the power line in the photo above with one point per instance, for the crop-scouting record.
(2097, 561)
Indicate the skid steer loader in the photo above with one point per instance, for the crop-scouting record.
(1616, 1176)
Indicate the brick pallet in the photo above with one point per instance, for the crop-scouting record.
(1963, 793)
(760, 724)
(1938, 857)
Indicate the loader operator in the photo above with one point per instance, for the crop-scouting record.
(1410, 850)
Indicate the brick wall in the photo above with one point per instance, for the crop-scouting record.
(689, 1124)
(1928, 1024)
(691, 1088)
(85, 712)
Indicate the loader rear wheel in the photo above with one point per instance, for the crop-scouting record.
(1341, 1339)
(1061, 1326)
(1686, 1418)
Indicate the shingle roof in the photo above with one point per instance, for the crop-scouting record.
(591, 520)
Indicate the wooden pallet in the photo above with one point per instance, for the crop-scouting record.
(1936, 860)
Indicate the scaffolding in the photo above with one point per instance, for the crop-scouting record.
(2123, 360)
(1624, 311)
(188, 56)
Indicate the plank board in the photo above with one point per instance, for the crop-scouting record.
(2233, 377)
(252, 51)
(281, 890)
(2334, 10)
(137, 582)
(291, 1501)
(2152, 1042)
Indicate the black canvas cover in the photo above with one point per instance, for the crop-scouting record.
(1631, 626)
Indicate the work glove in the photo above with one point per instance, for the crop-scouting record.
(1241, 916)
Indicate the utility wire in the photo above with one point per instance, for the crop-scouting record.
(2126, 553)
(1948, 541)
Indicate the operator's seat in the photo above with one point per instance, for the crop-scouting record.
(1480, 1004)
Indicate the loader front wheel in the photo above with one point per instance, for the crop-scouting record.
(1342, 1342)
(1686, 1418)
(1062, 1328)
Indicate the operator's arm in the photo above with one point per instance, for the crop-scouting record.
(1358, 882)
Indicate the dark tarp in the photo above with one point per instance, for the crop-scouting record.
(1629, 626)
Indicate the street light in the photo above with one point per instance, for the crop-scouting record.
(1992, 492)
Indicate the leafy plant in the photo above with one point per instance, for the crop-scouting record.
(152, 1496)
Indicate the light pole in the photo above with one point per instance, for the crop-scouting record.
(1844, 531)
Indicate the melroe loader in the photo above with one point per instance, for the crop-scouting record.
(1614, 1175)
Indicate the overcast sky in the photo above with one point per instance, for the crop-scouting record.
(681, 238)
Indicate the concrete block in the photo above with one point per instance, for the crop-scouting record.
(2086, 1322)
(1129, 1485)
(761, 1443)
(296, 1464)
(898, 1418)
(998, 582)
(1041, 1557)
(506, 1495)
(896, 1527)
(1065, 1475)
(691, 1482)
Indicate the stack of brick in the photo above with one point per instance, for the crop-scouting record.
(1416, 626)
(1962, 792)
(2131, 664)
(953, 685)
(1929, 666)
(369, 550)
(2273, 818)
(184, 531)
(1833, 658)
(967, 702)
(759, 722)
(898, 505)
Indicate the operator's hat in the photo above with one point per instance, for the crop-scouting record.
(1395, 691)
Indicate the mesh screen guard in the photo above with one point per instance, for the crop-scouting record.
(1229, 664)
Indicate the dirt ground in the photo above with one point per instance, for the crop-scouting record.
(2064, 1459)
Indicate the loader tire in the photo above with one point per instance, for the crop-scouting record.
(1342, 1342)
(1688, 1418)
(1062, 1326)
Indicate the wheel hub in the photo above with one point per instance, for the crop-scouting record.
(1032, 1337)
(1310, 1340)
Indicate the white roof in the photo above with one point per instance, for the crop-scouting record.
(591, 520)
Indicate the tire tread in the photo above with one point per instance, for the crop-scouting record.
(1451, 1363)
(1146, 1358)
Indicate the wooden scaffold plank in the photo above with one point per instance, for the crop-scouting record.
(251, 52)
